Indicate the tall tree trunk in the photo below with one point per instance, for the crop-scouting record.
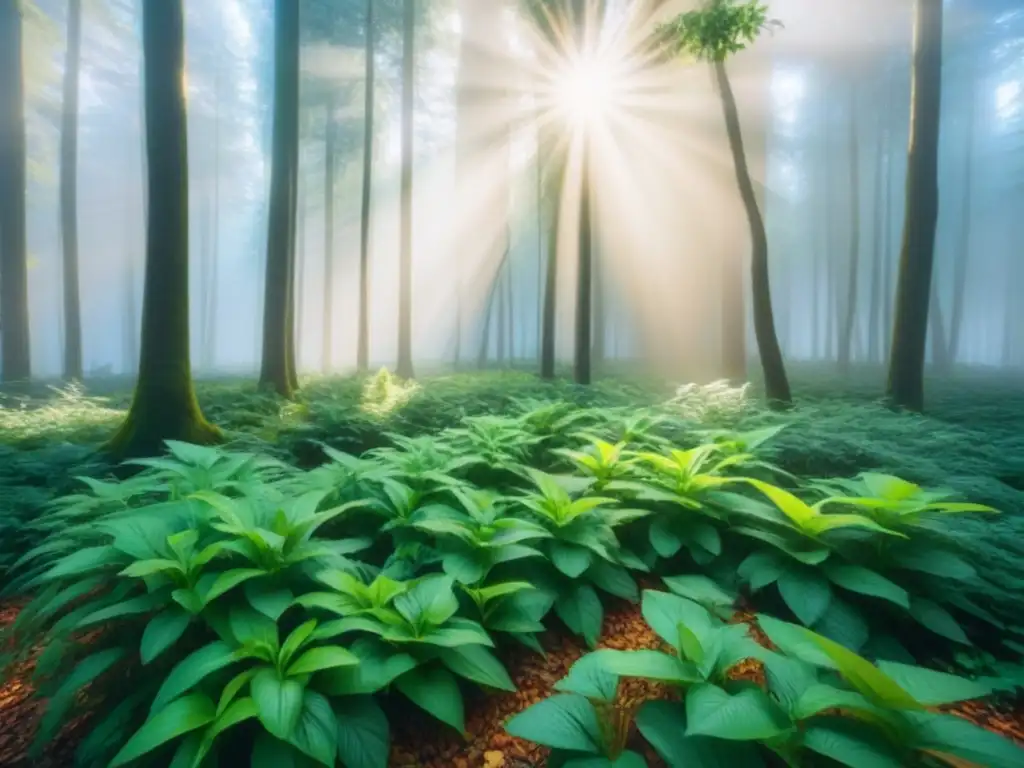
(363, 342)
(913, 288)
(330, 133)
(69, 195)
(301, 223)
(510, 308)
(554, 177)
(853, 275)
(405, 368)
(937, 329)
(877, 248)
(600, 312)
(963, 251)
(14, 315)
(888, 270)
(164, 406)
(277, 372)
(775, 380)
(582, 372)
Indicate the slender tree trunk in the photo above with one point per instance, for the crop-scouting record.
(502, 309)
(16, 357)
(405, 367)
(888, 268)
(600, 312)
(164, 406)
(853, 275)
(555, 174)
(363, 342)
(69, 195)
(937, 329)
(300, 266)
(878, 245)
(582, 373)
(963, 252)
(329, 153)
(276, 373)
(775, 380)
(510, 307)
(913, 288)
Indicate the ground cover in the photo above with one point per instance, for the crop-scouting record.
(440, 534)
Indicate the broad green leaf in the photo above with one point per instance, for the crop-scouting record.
(700, 589)
(613, 579)
(83, 561)
(850, 745)
(319, 659)
(191, 670)
(269, 600)
(229, 580)
(364, 738)
(664, 613)
(431, 600)
(278, 702)
(933, 688)
(588, 676)
(435, 690)
(794, 641)
(316, 732)
(876, 686)
(664, 541)
(131, 607)
(663, 724)
(747, 716)
(177, 718)
(296, 640)
(651, 665)
(162, 631)
(87, 670)
(570, 559)
(819, 697)
(936, 618)
(844, 624)
(792, 507)
(626, 759)
(582, 612)
(563, 721)
(760, 569)
(378, 666)
(952, 735)
(478, 664)
(806, 592)
(142, 568)
(858, 579)
(936, 562)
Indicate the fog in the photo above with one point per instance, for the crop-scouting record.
(824, 100)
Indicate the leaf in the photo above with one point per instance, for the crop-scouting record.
(650, 665)
(792, 507)
(478, 664)
(319, 659)
(866, 582)
(316, 732)
(434, 689)
(749, 715)
(701, 590)
(563, 721)
(131, 607)
(581, 611)
(864, 676)
(364, 739)
(269, 752)
(613, 579)
(83, 561)
(936, 618)
(936, 562)
(431, 600)
(952, 735)
(589, 677)
(663, 540)
(933, 688)
(179, 717)
(761, 569)
(378, 666)
(844, 623)
(664, 613)
(162, 631)
(570, 559)
(269, 601)
(850, 745)
(818, 697)
(87, 670)
(806, 592)
(663, 724)
(191, 670)
(795, 641)
(278, 702)
(229, 580)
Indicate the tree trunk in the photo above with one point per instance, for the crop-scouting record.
(16, 357)
(164, 406)
(69, 195)
(300, 265)
(913, 288)
(329, 152)
(775, 380)
(853, 275)
(405, 367)
(363, 342)
(277, 372)
(582, 373)
(878, 245)
(963, 252)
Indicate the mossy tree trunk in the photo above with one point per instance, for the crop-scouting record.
(363, 342)
(775, 380)
(405, 368)
(277, 370)
(914, 285)
(164, 406)
(69, 195)
(14, 316)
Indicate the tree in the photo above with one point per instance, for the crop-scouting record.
(363, 342)
(164, 406)
(712, 34)
(913, 288)
(14, 316)
(329, 157)
(277, 370)
(404, 368)
(853, 275)
(69, 195)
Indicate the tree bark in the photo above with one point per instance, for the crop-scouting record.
(582, 373)
(15, 357)
(405, 367)
(363, 342)
(69, 195)
(961, 273)
(913, 289)
(878, 245)
(164, 406)
(775, 380)
(853, 274)
(555, 174)
(277, 369)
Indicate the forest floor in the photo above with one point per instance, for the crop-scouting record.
(971, 440)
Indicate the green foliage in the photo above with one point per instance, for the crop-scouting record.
(718, 30)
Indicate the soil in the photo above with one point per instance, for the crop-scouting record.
(419, 742)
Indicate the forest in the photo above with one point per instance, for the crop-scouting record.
(512, 383)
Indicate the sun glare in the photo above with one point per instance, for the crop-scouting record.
(583, 91)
